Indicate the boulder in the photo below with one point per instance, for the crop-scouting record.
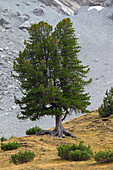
(26, 25)
(3, 22)
(38, 12)
(24, 18)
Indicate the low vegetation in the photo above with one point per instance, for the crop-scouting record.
(106, 109)
(22, 157)
(10, 146)
(104, 156)
(41, 139)
(33, 130)
(3, 139)
(75, 152)
(90, 129)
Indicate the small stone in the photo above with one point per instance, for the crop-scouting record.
(17, 4)
(9, 53)
(6, 92)
(6, 114)
(95, 60)
(8, 26)
(110, 16)
(14, 51)
(5, 10)
(18, 13)
(24, 30)
(10, 86)
(13, 107)
(1, 98)
(3, 56)
(1, 49)
(1, 63)
(27, 3)
(6, 48)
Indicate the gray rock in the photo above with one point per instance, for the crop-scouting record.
(46, 2)
(3, 22)
(6, 48)
(6, 114)
(13, 107)
(14, 15)
(111, 16)
(3, 56)
(28, 3)
(65, 7)
(17, 4)
(1, 49)
(5, 10)
(8, 26)
(26, 25)
(107, 3)
(38, 12)
(24, 18)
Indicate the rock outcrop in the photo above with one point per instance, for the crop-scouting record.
(69, 7)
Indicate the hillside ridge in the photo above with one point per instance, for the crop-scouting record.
(90, 129)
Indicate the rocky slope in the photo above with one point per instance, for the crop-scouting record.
(93, 28)
(69, 7)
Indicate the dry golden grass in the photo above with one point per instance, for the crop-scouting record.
(88, 128)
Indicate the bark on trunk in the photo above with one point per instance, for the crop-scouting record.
(59, 130)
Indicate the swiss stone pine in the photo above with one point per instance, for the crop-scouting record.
(51, 75)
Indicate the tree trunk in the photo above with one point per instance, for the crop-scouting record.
(59, 130)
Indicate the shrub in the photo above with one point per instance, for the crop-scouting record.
(41, 139)
(111, 116)
(3, 139)
(106, 109)
(33, 130)
(104, 157)
(79, 155)
(75, 152)
(10, 146)
(22, 157)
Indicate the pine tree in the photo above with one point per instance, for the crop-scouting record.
(51, 75)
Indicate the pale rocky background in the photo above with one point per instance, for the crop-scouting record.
(93, 22)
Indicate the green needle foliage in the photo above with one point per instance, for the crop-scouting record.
(3, 139)
(104, 156)
(10, 146)
(50, 73)
(22, 157)
(106, 109)
(75, 152)
(33, 130)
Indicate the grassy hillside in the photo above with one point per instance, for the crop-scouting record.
(90, 129)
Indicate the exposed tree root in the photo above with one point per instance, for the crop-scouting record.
(61, 133)
(59, 130)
